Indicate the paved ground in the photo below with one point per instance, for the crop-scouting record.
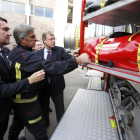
(74, 80)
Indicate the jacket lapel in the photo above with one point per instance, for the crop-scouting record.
(42, 53)
(2, 61)
(54, 53)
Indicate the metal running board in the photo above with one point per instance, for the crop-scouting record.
(94, 83)
(87, 118)
(94, 73)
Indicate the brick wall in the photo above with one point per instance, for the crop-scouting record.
(19, 1)
(41, 25)
(43, 3)
(13, 19)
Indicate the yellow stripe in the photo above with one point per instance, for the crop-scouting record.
(127, 29)
(18, 72)
(98, 49)
(18, 77)
(18, 96)
(35, 120)
(102, 3)
(113, 124)
(130, 38)
(77, 36)
(25, 100)
(138, 57)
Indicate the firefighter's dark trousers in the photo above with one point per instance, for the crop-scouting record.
(3, 127)
(29, 115)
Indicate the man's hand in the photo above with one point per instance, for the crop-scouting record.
(83, 58)
(76, 53)
(36, 77)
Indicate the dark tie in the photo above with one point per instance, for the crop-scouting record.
(49, 55)
(5, 59)
(48, 58)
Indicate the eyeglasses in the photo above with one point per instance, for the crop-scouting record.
(39, 45)
(51, 39)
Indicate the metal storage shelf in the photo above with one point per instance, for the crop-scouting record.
(123, 73)
(120, 13)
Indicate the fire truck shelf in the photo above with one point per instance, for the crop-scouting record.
(123, 73)
(120, 13)
(87, 118)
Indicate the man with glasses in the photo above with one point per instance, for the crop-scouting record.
(38, 46)
(54, 85)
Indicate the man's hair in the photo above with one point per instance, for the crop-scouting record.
(45, 33)
(2, 19)
(21, 31)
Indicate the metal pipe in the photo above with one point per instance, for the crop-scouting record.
(82, 27)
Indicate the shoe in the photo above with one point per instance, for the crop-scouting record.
(50, 110)
(22, 138)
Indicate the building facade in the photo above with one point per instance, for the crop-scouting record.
(43, 15)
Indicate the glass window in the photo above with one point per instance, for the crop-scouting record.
(39, 11)
(49, 13)
(70, 1)
(7, 6)
(69, 14)
(19, 8)
(32, 9)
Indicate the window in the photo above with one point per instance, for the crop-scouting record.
(11, 7)
(49, 13)
(70, 1)
(7, 6)
(19, 8)
(69, 14)
(32, 10)
(39, 11)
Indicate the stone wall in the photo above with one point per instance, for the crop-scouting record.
(19, 1)
(41, 24)
(13, 19)
(43, 3)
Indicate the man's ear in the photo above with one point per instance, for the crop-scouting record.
(22, 40)
(43, 40)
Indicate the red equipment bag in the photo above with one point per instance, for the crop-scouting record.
(123, 51)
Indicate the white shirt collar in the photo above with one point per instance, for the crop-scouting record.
(46, 52)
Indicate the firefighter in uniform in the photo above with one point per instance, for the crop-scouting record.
(24, 63)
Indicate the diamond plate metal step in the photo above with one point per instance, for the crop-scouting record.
(87, 118)
(94, 83)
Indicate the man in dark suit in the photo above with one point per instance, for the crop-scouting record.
(7, 90)
(54, 85)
